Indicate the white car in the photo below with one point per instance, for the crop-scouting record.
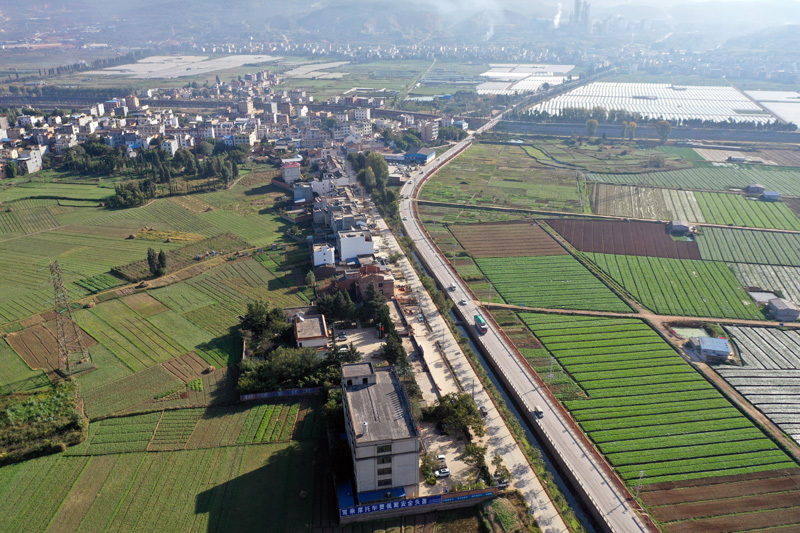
(463, 302)
(442, 459)
(442, 472)
(405, 218)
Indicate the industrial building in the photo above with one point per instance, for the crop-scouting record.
(382, 433)
(783, 310)
(710, 349)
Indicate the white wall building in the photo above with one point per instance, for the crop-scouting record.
(323, 254)
(351, 244)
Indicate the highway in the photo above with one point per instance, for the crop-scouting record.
(610, 500)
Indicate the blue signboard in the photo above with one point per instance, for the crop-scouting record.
(456, 497)
(388, 506)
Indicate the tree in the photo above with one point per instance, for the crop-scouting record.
(663, 127)
(624, 129)
(152, 261)
(501, 472)
(394, 352)
(474, 455)
(373, 302)
(11, 169)
(369, 179)
(632, 128)
(264, 322)
(458, 411)
(344, 308)
(162, 263)
(311, 279)
(591, 127)
(204, 148)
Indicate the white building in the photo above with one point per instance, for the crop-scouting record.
(351, 244)
(430, 131)
(290, 172)
(244, 138)
(383, 437)
(323, 254)
(170, 146)
(311, 331)
(362, 113)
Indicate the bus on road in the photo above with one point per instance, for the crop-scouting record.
(480, 324)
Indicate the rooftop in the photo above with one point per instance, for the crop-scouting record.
(356, 370)
(712, 344)
(310, 327)
(780, 304)
(383, 406)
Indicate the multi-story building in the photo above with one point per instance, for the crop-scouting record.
(245, 107)
(383, 437)
(362, 113)
(290, 172)
(351, 244)
(429, 131)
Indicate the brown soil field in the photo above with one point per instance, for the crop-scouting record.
(786, 158)
(690, 511)
(516, 239)
(624, 237)
(38, 345)
(727, 503)
(737, 522)
(144, 304)
(186, 367)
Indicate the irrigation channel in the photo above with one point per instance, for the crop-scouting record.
(574, 502)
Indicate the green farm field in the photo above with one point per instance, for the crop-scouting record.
(684, 287)
(646, 409)
(748, 246)
(784, 181)
(504, 175)
(557, 281)
(736, 210)
(219, 489)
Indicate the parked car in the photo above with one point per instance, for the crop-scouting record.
(502, 483)
(483, 411)
(442, 459)
(442, 472)
(341, 337)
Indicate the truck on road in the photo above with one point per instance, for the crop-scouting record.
(480, 324)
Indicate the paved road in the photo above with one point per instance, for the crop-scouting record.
(498, 438)
(607, 498)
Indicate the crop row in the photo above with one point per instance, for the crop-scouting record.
(549, 281)
(736, 210)
(682, 287)
(654, 473)
(749, 246)
(643, 414)
(100, 282)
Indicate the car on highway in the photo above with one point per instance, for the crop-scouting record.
(537, 411)
(405, 218)
(442, 472)
(463, 302)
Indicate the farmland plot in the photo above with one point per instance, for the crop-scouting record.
(770, 373)
(680, 287)
(187, 490)
(642, 202)
(623, 237)
(726, 503)
(15, 375)
(736, 210)
(549, 281)
(769, 278)
(648, 410)
(715, 178)
(748, 246)
(505, 240)
(504, 175)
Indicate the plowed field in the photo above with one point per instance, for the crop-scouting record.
(626, 238)
(727, 503)
(38, 345)
(519, 239)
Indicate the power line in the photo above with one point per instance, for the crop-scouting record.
(70, 339)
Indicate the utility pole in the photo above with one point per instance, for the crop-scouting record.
(639, 484)
(550, 375)
(70, 340)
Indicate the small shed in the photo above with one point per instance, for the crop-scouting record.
(711, 349)
(680, 226)
(771, 196)
(783, 310)
(755, 188)
(310, 331)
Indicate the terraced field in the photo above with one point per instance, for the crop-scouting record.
(680, 286)
(558, 281)
(648, 410)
